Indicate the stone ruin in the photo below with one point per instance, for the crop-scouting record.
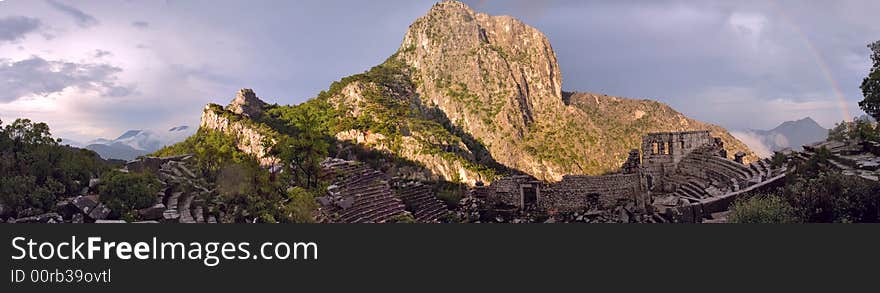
(420, 200)
(360, 194)
(855, 158)
(675, 177)
(184, 196)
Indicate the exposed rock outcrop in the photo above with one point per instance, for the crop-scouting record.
(246, 103)
(252, 138)
(442, 168)
(498, 79)
(468, 94)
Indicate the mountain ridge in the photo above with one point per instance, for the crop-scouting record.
(136, 142)
(793, 134)
(470, 96)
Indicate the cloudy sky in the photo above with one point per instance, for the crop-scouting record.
(96, 68)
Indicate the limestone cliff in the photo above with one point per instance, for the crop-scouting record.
(252, 138)
(440, 167)
(246, 103)
(498, 80)
(467, 97)
(381, 110)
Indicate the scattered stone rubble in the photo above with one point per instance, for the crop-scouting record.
(856, 158)
(476, 209)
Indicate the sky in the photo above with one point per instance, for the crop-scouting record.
(97, 68)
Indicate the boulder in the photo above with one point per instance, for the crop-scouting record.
(100, 212)
(85, 203)
(66, 208)
(93, 183)
(170, 215)
(29, 212)
(186, 170)
(48, 218)
(78, 218)
(110, 222)
(154, 212)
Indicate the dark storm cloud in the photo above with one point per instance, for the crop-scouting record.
(13, 28)
(37, 76)
(82, 19)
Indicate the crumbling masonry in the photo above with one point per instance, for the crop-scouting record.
(680, 176)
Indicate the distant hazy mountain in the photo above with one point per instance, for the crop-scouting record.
(794, 134)
(117, 150)
(134, 143)
(789, 134)
(70, 142)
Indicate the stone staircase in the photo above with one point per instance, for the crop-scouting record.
(421, 202)
(358, 194)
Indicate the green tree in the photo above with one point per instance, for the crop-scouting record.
(301, 206)
(778, 160)
(862, 130)
(123, 192)
(871, 84)
(832, 197)
(213, 151)
(762, 209)
(35, 170)
(250, 195)
(839, 132)
(305, 146)
(24, 131)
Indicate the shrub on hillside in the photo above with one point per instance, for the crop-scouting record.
(123, 192)
(762, 209)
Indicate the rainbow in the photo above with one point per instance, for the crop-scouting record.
(820, 61)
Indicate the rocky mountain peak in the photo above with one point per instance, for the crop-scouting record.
(470, 96)
(492, 76)
(246, 103)
(500, 60)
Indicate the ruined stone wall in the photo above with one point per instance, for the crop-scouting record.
(508, 190)
(696, 212)
(577, 192)
(572, 193)
(663, 150)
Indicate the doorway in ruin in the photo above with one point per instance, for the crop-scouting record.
(529, 195)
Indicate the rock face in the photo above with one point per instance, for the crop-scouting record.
(498, 79)
(440, 167)
(469, 96)
(252, 139)
(246, 103)
(494, 77)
